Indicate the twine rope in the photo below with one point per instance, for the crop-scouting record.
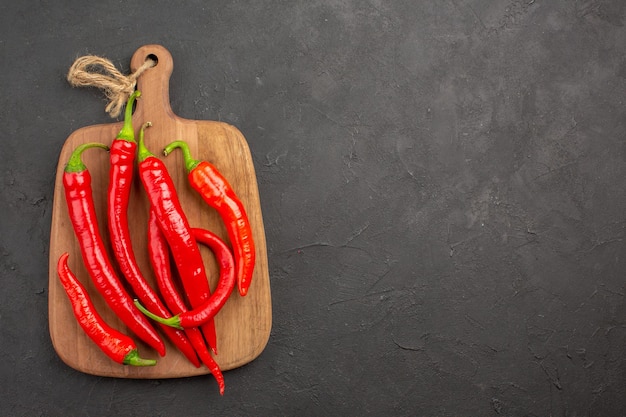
(95, 71)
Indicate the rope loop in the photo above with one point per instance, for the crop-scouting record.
(95, 71)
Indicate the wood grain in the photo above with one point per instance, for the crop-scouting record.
(243, 325)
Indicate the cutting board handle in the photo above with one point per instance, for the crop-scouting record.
(153, 83)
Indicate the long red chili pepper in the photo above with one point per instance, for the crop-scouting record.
(217, 193)
(160, 259)
(175, 226)
(113, 343)
(212, 306)
(122, 156)
(79, 198)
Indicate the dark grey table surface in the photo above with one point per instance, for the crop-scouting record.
(442, 185)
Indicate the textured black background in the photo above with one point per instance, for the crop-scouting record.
(442, 184)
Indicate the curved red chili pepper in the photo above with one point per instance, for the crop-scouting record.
(225, 285)
(160, 260)
(113, 343)
(122, 156)
(175, 227)
(78, 195)
(217, 193)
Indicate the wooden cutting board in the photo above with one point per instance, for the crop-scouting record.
(243, 325)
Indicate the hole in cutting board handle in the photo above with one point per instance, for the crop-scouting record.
(154, 58)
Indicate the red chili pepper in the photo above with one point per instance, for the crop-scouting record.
(217, 193)
(79, 198)
(113, 343)
(160, 259)
(175, 227)
(122, 156)
(225, 285)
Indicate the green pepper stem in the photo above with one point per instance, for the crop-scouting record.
(133, 358)
(127, 132)
(173, 321)
(75, 163)
(142, 151)
(190, 163)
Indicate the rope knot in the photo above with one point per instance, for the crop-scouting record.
(95, 71)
